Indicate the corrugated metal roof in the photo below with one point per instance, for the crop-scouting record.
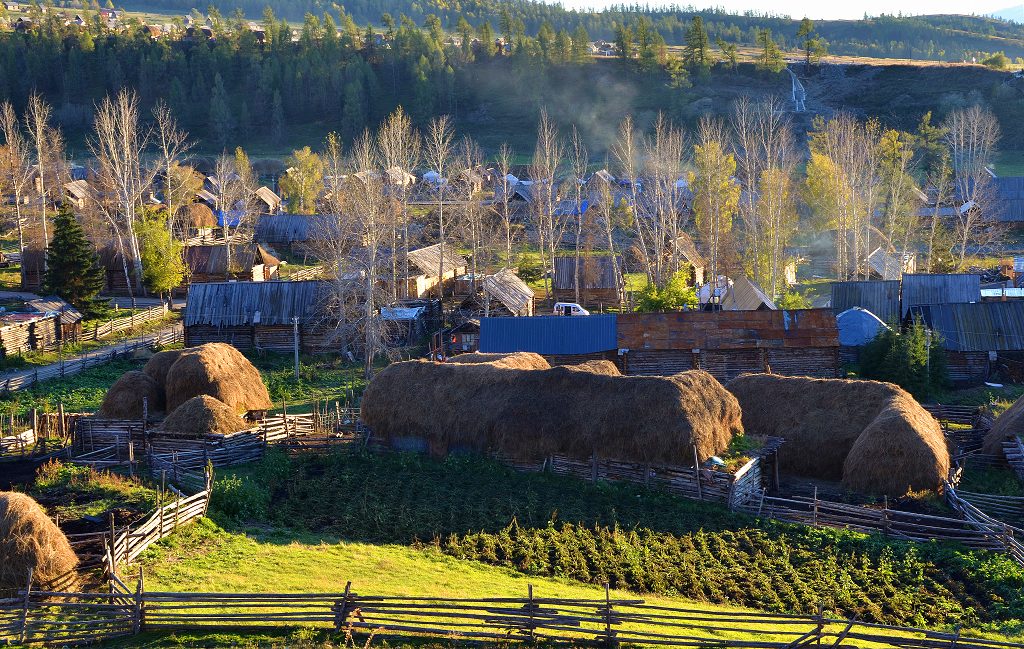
(879, 297)
(506, 287)
(746, 295)
(549, 334)
(428, 259)
(952, 288)
(228, 304)
(979, 327)
(596, 271)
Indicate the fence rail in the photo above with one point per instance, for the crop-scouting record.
(111, 327)
(55, 617)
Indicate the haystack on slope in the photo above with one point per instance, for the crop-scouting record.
(513, 361)
(132, 395)
(30, 539)
(532, 414)
(606, 368)
(203, 415)
(220, 371)
(898, 444)
(158, 366)
(1006, 426)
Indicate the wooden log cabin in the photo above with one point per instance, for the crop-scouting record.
(249, 262)
(258, 315)
(730, 343)
(426, 262)
(600, 279)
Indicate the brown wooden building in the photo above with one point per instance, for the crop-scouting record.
(600, 279)
(249, 262)
(730, 343)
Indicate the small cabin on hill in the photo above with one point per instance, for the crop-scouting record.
(258, 315)
(600, 279)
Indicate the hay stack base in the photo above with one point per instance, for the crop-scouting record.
(872, 436)
(220, 371)
(201, 416)
(124, 399)
(1006, 426)
(513, 361)
(533, 414)
(30, 539)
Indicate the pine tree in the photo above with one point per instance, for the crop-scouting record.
(695, 54)
(220, 112)
(73, 271)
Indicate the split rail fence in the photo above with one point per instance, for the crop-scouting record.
(130, 321)
(62, 618)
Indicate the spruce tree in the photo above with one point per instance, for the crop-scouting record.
(696, 54)
(73, 271)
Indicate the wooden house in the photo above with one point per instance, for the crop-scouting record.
(249, 262)
(693, 263)
(882, 298)
(427, 262)
(198, 220)
(258, 315)
(268, 201)
(460, 339)
(32, 260)
(294, 233)
(951, 288)
(79, 193)
(600, 279)
(22, 332)
(68, 317)
(404, 325)
(979, 338)
(730, 343)
(115, 282)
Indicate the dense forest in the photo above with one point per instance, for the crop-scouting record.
(946, 38)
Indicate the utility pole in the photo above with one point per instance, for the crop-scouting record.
(295, 336)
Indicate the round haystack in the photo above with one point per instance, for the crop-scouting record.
(201, 416)
(124, 399)
(220, 371)
(30, 539)
(160, 363)
(198, 215)
(513, 361)
(1006, 426)
(533, 414)
(872, 436)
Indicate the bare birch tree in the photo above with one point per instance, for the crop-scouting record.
(17, 168)
(173, 146)
(48, 145)
(400, 147)
(503, 197)
(469, 159)
(438, 152)
(972, 136)
(660, 215)
(234, 190)
(118, 145)
(626, 154)
(547, 157)
(578, 164)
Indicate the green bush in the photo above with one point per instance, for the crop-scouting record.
(237, 499)
(676, 294)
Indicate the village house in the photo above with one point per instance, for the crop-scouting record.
(506, 289)
(600, 279)
(745, 295)
(427, 261)
(249, 262)
(980, 338)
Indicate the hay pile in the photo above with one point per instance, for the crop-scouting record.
(30, 539)
(872, 436)
(1007, 425)
(203, 415)
(513, 361)
(159, 365)
(605, 368)
(220, 371)
(532, 414)
(124, 399)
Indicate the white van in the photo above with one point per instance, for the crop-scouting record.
(569, 308)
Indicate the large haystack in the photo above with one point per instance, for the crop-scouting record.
(872, 436)
(513, 361)
(124, 399)
(220, 371)
(30, 539)
(201, 416)
(158, 366)
(1006, 426)
(532, 414)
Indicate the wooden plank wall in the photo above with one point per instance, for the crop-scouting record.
(727, 330)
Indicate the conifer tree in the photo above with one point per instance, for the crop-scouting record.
(73, 271)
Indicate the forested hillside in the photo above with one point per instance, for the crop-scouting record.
(944, 38)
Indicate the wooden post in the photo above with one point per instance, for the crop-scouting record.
(140, 606)
(62, 427)
(35, 421)
(284, 415)
(608, 637)
(885, 516)
(113, 546)
(696, 473)
(22, 636)
(530, 606)
(760, 506)
(341, 613)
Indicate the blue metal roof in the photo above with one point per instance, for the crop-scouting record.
(549, 334)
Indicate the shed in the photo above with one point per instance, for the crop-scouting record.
(600, 279)
(70, 317)
(952, 288)
(746, 295)
(695, 262)
(976, 336)
(882, 298)
(292, 232)
(513, 293)
(404, 324)
(248, 262)
(268, 200)
(462, 338)
(1010, 193)
(888, 265)
(730, 343)
(79, 193)
(858, 327)
(428, 262)
(257, 315)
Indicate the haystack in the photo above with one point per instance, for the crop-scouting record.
(220, 371)
(158, 366)
(201, 416)
(1008, 425)
(30, 539)
(606, 368)
(532, 414)
(124, 399)
(513, 361)
(872, 436)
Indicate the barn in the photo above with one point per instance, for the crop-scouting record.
(978, 337)
(881, 298)
(951, 288)
(249, 262)
(427, 262)
(600, 279)
(730, 343)
(258, 315)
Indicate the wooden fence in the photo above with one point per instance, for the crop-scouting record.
(29, 378)
(1014, 451)
(111, 327)
(66, 618)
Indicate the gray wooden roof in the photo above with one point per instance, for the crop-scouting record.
(286, 228)
(978, 327)
(506, 287)
(879, 297)
(746, 295)
(230, 304)
(428, 259)
(953, 288)
(596, 272)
